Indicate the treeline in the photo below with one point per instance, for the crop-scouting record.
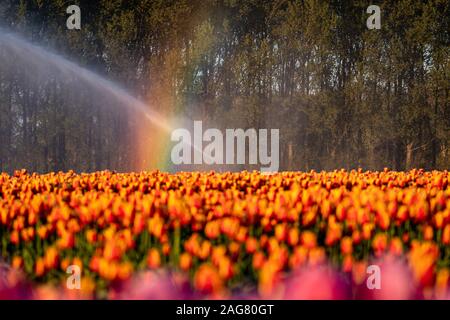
(343, 96)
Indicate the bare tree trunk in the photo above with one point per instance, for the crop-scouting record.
(409, 150)
(290, 156)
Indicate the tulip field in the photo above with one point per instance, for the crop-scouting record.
(289, 235)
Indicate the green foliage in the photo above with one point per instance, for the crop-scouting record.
(342, 95)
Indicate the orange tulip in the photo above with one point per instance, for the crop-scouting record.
(428, 233)
(15, 238)
(212, 229)
(298, 257)
(356, 237)
(293, 237)
(396, 246)
(379, 244)
(225, 268)
(280, 232)
(346, 246)
(268, 278)
(153, 259)
(39, 268)
(17, 262)
(334, 234)
(65, 263)
(207, 280)
(258, 260)
(442, 286)
(251, 245)
(367, 230)
(185, 261)
(125, 270)
(51, 258)
(347, 263)
(91, 236)
(317, 256)
(359, 271)
(308, 239)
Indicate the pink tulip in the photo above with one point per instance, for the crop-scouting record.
(316, 283)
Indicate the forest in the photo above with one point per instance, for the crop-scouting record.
(342, 95)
